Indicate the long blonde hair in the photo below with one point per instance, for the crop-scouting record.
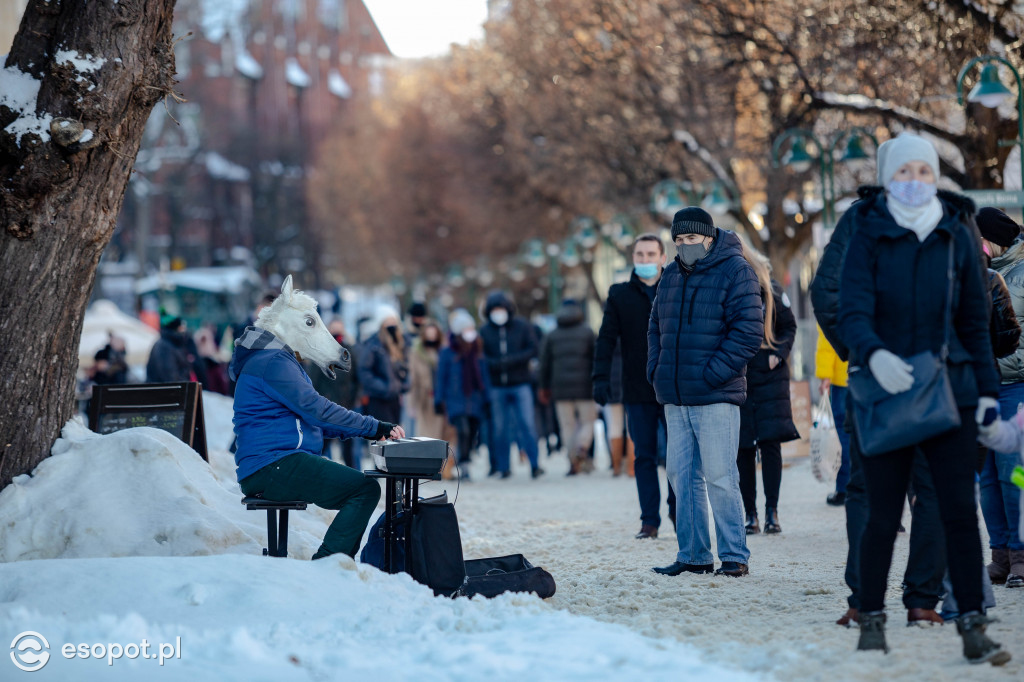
(763, 269)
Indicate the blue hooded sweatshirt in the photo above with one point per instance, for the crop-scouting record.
(277, 410)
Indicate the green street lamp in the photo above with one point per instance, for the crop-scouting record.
(717, 202)
(990, 92)
(801, 160)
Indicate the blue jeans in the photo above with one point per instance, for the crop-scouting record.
(512, 418)
(838, 396)
(643, 420)
(1000, 499)
(702, 445)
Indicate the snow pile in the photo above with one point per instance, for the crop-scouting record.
(86, 64)
(138, 492)
(248, 617)
(18, 92)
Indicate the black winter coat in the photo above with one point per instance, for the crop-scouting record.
(705, 327)
(1004, 329)
(626, 315)
(567, 357)
(168, 361)
(509, 348)
(892, 294)
(379, 376)
(767, 416)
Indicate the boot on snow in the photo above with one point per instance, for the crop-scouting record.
(771, 521)
(978, 648)
(1016, 576)
(872, 632)
(999, 569)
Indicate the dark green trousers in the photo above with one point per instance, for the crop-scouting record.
(327, 484)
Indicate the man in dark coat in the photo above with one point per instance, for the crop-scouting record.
(344, 391)
(706, 324)
(168, 359)
(626, 314)
(566, 362)
(509, 345)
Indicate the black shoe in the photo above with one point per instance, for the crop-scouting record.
(536, 472)
(771, 521)
(836, 499)
(506, 474)
(872, 632)
(733, 569)
(679, 567)
(752, 527)
(978, 648)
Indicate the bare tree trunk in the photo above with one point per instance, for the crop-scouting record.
(60, 194)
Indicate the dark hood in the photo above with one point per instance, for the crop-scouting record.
(252, 341)
(498, 299)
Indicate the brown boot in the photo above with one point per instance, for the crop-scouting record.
(615, 447)
(630, 458)
(999, 569)
(1016, 576)
(850, 618)
(923, 617)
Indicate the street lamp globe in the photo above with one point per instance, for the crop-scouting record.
(798, 159)
(990, 91)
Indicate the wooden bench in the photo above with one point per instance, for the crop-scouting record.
(277, 522)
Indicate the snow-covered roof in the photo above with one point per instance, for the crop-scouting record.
(229, 280)
(247, 65)
(295, 75)
(337, 86)
(222, 169)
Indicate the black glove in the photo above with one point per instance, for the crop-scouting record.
(602, 393)
(439, 408)
(383, 430)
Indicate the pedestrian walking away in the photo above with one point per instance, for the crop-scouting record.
(706, 324)
(897, 300)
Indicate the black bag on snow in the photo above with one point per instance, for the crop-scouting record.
(373, 550)
(512, 573)
(436, 559)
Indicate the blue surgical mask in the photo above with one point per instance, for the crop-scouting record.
(646, 270)
(912, 192)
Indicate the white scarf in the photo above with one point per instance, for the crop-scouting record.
(920, 220)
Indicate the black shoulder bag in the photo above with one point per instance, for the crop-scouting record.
(887, 422)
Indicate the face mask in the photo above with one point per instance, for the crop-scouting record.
(912, 193)
(469, 336)
(393, 331)
(646, 270)
(499, 316)
(691, 253)
(432, 344)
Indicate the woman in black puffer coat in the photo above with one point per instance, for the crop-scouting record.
(766, 418)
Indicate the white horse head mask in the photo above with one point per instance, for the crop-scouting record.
(293, 318)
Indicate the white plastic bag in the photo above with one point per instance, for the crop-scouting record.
(826, 450)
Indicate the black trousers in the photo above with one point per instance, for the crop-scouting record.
(771, 474)
(951, 458)
(467, 428)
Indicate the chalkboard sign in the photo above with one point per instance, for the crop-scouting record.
(176, 408)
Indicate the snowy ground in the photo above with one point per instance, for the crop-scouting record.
(176, 555)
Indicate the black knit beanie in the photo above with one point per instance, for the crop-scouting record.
(997, 227)
(692, 220)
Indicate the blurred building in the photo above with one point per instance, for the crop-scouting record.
(220, 177)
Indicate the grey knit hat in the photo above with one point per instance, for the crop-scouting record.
(892, 154)
(692, 220)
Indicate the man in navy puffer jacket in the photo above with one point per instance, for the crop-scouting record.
(706, 324)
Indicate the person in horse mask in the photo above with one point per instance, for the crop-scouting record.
(706, 324)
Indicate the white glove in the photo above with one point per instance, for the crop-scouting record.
(985, 404)
(890, 371)
(988, 433)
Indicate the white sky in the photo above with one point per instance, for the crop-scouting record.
(425, 28)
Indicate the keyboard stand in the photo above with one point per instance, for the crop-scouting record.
(401, 496)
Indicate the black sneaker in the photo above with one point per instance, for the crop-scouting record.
(680, 567)
(836, 499)
(506, 474)
(733, 569)
(536, 472)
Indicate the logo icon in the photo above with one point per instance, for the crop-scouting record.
(29, 651)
